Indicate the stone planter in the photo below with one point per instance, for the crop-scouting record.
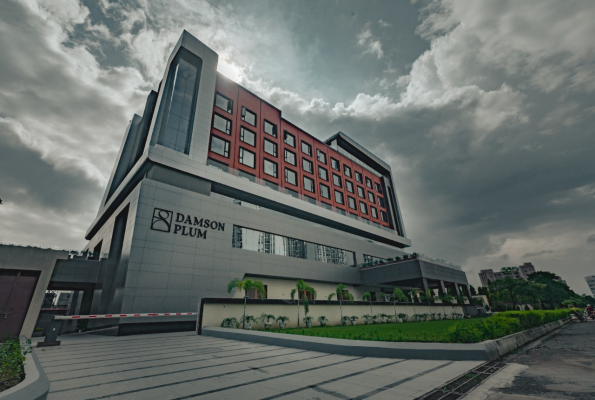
(375, 321)
(308, 324)
(323, 324)
(281, 325)
(399, 320)
(383, 320)
(353, 322)
(247, 326)
(37, 334)
(344, 322)
(267, 325)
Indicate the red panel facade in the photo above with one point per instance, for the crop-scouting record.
(266, 113)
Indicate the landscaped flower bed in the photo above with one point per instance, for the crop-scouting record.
(12, 356)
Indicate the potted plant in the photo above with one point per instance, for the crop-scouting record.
(433, 315)
(439, 315)
(305, 290)
(367, 319)
(323, 320)
(345, 320)
(375, 319)
(247, 321)
(368, 296)
(282, 320)
(38, 332)
(353, 320)
(389, 318)
(342, 294)
(229, 323)
(403, 317)
(308, 320)
(265, 319)
(247, 286)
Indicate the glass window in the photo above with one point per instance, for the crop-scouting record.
(217, 164)
(383, 216)
(270, 147)
(374, 212)
(371, 197)
(347, 170)
(351, 202)
(248, 116)
(378, 188)
(289, 157)
(222, 124)
(358, 177)
(270, 128)
(289, 139)
(337, 180)
(306, 148)
(321, 156)
(290, 176)
(270, 168)
(247, 157)
(309, 184)
(322, 173)
(349, 186)
(335, 164)
(381, 202)
(220, 146)
(360, 192)
(363, 207)
(247, 136)
(369, 183)
(224, 103)
(307, 165)
(339, 197)
(324, 191)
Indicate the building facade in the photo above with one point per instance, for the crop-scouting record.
(212, 183)
(591, 282)
(520, 272)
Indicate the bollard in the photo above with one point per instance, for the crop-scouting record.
(52, 334)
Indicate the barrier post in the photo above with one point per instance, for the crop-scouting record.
(52, 333)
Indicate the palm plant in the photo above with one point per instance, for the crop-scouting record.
(398, 295)
(282, 320)
(403, 317)
(342, 294)
(429, 297)
(323, 320)
(308, 320)
(246, 286)
(247, 321)
(265, 319)
(305, 289)
(368, 296)
(229, 322)
(367, 319)
(414, 293)
(445, 299)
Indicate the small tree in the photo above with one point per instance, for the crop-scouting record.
(342, 294)
(246, 286)
(368, 296)
(414, 293)
(303, 288)
(398, 295)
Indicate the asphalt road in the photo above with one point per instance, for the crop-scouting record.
(561, 366)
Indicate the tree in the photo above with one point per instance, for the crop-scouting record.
(398, 295)
(246, 286)
(472, 290)
(414, 293)
(428, 295)
(512, 287)
(368, 296)
(342, 294)
(304, 289)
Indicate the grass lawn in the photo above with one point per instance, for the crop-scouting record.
(431, 331)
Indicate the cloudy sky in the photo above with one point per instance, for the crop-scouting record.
(485, 110)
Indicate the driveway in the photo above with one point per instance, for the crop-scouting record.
(184, 366)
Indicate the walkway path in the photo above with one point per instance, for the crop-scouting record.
(184, 366)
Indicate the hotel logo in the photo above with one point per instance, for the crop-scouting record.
(162, 220)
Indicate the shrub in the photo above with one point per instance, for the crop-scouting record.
(12, 358)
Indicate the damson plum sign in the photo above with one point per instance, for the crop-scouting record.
(183, 224)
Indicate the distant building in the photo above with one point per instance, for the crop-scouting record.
(520, 272)
(591, 282)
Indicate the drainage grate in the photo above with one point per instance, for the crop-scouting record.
(460, 386)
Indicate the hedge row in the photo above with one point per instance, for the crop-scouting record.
(503, 324)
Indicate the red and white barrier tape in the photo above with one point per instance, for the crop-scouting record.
(58, 317)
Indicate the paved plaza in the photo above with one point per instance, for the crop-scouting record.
(184, 366)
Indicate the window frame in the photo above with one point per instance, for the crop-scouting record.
(296, 176)
(342, 197)
(264, 161)
(381, 202)
(371, 197)
(230, 109)
(335, 161)
(325, 171)
(347, 184)
(328, 190)
(354, 203)
(318, 153)
(313, 184)
(285, 151)
(340, 181)
(243, 116)
(378, 187)
(227, 143)
(361, 195)
(363, 210)
(369, 183)
(285, 134)
(345, 169)
(373, 212)
(308, 146)
(360, 179)
(240, 156)
(226, 119)
(311, 171)
(275, 130)
(242, 129)
(383, 216)
(276, 147)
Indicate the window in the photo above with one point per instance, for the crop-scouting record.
(222, 124)
(307, 165)
(220, 146)
(248, 116)
(321, 156)
(360, 192)
(347, 170)
(269, 128)
(290, 176)
(247, 136)
(247, 157)
(337, 180)
(289, 139)
(339, 197)
(217, 164)
(322, 173)
(324, 191)
(358, 177)
(374, 212)
(351, 202)
(349, 186)
(369, 183)
(363, 208)
(309, 184)
(306, 148)
(289, 157)
(270, 168)
(371, 197)
(335, 164)
(270, 148)
(224, 103)
(383, 216)
(378, 188)
(381, 202)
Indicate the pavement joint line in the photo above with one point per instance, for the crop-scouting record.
(116, 339)
(141, 361)
(175, 363)
(330, 393)
(214, 349)
(316, 386)
(225, 374)
(397, 383)
(172, 372)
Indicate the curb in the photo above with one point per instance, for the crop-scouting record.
(488, 350)
(36, 384)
